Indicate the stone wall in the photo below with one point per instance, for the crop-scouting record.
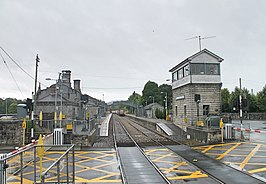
(10, 133)
(210, 95)
(246, 116)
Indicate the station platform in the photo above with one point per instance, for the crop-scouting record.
(105, 126)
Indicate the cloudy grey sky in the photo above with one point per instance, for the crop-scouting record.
(116, 46)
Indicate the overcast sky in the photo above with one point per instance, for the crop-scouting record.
(115, 46)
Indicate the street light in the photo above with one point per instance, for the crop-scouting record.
(165, 103)
(61, 104)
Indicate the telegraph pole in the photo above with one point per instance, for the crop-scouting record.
(240, 108)
(35, 85)
(35, 93)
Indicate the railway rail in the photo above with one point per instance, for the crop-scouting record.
(135, 164)
(154, 138)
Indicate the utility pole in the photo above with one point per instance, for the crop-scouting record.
(35, 85)
(240, 108)
(35, 93)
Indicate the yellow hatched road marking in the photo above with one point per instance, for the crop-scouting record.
(167, 170)
(257, 170)
(250, 155)
(228, 151)
(100, 157)
(207, 149)
(192, 176)
(161, 157)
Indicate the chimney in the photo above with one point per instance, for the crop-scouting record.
(66, 75)
(77, 85)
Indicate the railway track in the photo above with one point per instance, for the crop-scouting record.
(143, 137)
(135, 164)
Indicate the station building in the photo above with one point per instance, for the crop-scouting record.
(196, 86)
(70, 101)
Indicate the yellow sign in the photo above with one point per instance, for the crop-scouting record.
(24, 124)
(60, 116)
(221, 123)
(69, 126)
(40, 116)
(40, 148)
(88, 115)
(200, 123)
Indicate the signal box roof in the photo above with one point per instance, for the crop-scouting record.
(194, 56)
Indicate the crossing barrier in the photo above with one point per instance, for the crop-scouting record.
(14, 161)
(249, 130)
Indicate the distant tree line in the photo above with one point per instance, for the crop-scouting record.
(153, 92)
(9, 105)
(250, 102)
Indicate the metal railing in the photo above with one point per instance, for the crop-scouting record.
(58, 164)
(13, 166)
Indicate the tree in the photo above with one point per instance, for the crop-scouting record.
(234, 100)
(261, 100)
(12, 109)
(135, 98)
(225, 96)
(150, 91)
(165, 88)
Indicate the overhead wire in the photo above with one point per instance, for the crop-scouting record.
(12, 75)
(16, 63)
(112, 88)
(20, 66)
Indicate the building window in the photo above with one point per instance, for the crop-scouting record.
(212, 69)
(205, 69)
(186, 70)
(180, 73)
(198, 69)
(206, 109)
(174, 76)
(176, 111)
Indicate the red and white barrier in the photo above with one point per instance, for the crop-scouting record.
(249, 130)
(28, 145)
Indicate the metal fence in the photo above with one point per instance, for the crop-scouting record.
(64, 167)
(22, 167)
(13, 165)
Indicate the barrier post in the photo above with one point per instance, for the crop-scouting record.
(222, 129)
(40, 153)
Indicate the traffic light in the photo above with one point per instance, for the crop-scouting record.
(29, 104)
(197, 98)
(245, 104)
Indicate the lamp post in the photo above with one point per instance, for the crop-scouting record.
(61, 104)
(165, 103)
